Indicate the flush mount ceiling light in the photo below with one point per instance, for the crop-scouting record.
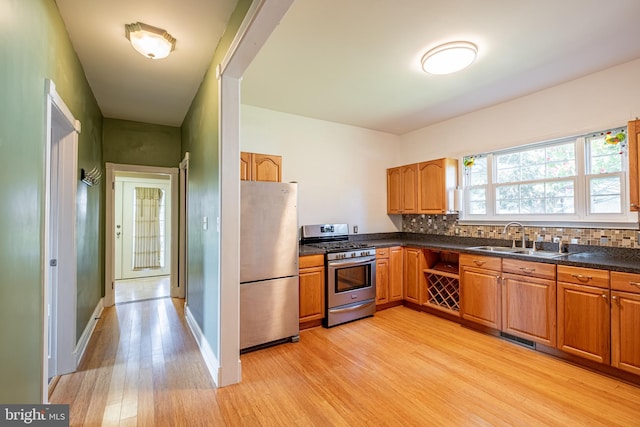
(449, 57)
(152, 42)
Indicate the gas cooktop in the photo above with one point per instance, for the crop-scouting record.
(340, 246)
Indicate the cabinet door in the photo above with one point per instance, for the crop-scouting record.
(480, 296)
(625, 333)
(311, 294)
(413, 276)
(583, 321)
(409, 200)
(266, 167)
(394, 190)
(633, 130)
(245, 166)
(529, 308)
(382, 281)
(396, 269)
(431, 192)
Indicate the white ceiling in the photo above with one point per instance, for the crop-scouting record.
(128, 85)
(353, 61)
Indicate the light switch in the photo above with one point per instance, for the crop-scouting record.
(205, 223)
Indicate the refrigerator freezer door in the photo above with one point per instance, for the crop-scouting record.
(268, 230)
(269, 311)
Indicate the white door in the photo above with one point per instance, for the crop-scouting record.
(52, 296)
(126, 267)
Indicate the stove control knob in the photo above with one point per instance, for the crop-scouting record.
(353, 254)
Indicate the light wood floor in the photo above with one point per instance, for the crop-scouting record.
(128, 290)
(399, 368)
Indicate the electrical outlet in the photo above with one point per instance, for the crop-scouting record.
(355, 229)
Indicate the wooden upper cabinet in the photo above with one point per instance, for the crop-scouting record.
(245, 166)
(394, 190)
(634, 165)
(260, 167)
(266, 167)
(437, 181)
(402, 189)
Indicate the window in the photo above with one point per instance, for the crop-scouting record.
(573, 179)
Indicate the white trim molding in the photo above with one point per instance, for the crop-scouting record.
(109, 255)
(210, 359)
(83, 342)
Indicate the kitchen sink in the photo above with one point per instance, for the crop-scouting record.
(520, 251)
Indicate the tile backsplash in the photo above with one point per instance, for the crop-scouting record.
(447, 225)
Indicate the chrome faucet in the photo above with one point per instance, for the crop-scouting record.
(524, 242)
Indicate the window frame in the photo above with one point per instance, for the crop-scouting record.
(582, 196)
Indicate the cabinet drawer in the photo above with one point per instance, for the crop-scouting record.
(583, 276)
(382, 253)
(479, 261)
(626, 282)
(527, 268)
(311, 261)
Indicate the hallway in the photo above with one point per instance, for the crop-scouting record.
(142, 367)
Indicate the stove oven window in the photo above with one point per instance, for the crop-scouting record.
(351, 278)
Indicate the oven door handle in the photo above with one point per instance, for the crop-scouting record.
(350, 263)
(352, 308)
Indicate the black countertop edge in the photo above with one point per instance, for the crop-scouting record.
(600, 257)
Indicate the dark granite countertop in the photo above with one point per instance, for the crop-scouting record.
(601, 257)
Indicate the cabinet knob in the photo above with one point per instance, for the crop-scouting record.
(615, 298)
(478, 262)
(604, 296)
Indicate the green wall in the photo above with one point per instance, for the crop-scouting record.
(200, 138)
(145, 144)
(33, 46)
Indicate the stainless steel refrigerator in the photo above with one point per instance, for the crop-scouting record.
(268, 263)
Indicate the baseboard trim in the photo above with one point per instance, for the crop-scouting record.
(210, 359)
(83, 342)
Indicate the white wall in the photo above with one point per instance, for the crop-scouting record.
(598, 101)
(340, 169)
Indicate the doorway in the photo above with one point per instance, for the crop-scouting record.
(142, 236)
(141, 228)
(60, 269)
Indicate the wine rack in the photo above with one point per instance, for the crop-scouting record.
(443, 281)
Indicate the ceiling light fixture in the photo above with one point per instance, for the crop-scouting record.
(449, 57)
(152, 42)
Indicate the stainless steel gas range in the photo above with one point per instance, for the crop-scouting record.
(350, 268)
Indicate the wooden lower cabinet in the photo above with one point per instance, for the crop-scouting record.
(625, 321)
(529, 300)
(584, 314)
(382, 280)
(389, 272)
(413, 279)
(529, 308)
(396, 269)
(311, 288)
(480, 293)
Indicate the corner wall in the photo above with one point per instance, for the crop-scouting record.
(34, 45)
(145, 144)
(340, 169)
(200, 137)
